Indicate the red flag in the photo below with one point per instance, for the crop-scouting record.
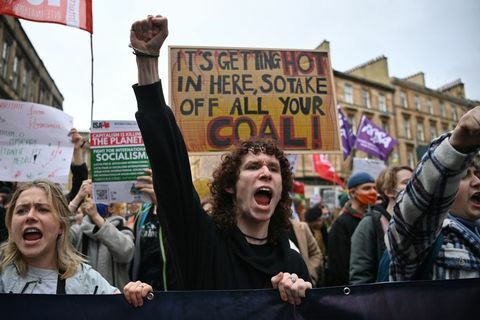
(73, 13)
(325, 170)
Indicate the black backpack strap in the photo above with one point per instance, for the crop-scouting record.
(60, 284)
(85, 241)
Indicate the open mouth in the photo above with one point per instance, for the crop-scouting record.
(32, 234)
(263, 196)
(476, 198)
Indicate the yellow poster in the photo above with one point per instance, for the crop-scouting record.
(221, 96)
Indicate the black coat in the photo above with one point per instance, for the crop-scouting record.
(205, 257)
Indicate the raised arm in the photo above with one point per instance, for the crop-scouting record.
(422, 207)
(178, 205)
(78, 167)
(146, 38)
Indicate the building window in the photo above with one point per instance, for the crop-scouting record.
(407, 132)
(5, 57)
(382, 102)
(445, 127)
(433, 130)
(443, 110)
(430, 106)
(403, 99)
(416, 102)
(25, 82)
(15, 72)
(348, 90)
(453, 112)
(33, 87)
(385, 125)
(351, 121)
(410, 158)
(56, 103)
(420, 131)
(43, 93)
(366, 98)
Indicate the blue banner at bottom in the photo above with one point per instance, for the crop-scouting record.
(449, 299)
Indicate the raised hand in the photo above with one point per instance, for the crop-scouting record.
(147, 36)
(145, 185)
(465, 137)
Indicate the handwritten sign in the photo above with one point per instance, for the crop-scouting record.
(371, 166)
(223, 95)
(118, 157)
(34, 142)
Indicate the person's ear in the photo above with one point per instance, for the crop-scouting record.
(391, 194)
(229, 190)
(351, 193)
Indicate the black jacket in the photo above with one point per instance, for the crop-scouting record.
(204, 256)
(339, 247)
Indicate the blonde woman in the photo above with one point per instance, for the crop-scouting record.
(38, 256)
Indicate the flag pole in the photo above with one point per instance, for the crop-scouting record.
(91, 79)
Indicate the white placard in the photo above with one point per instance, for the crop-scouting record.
(34, 142)
(371, 166)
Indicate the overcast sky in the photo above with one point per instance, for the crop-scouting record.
(439, 37)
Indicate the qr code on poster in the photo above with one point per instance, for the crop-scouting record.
(101, 192)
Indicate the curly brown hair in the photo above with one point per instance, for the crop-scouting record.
(226, 175)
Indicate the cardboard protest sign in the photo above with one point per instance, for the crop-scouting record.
(34, 142)
(223, 95)
(118, 157)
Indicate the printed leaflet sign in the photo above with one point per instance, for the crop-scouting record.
(118, 158)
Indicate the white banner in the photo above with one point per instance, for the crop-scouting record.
(34, 142)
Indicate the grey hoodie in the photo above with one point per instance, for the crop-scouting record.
(110, 248)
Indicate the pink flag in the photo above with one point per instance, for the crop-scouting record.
(73, 13)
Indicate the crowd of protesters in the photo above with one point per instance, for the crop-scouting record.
(254, 231)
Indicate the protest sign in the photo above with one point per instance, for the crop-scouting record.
(371, 166)
(34, 142)
(223, 95)
(118, 158)
(73, 13)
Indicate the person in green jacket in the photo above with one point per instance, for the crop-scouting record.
(367, 243)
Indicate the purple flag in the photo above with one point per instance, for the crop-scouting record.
(374, 140)
(348, 138)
